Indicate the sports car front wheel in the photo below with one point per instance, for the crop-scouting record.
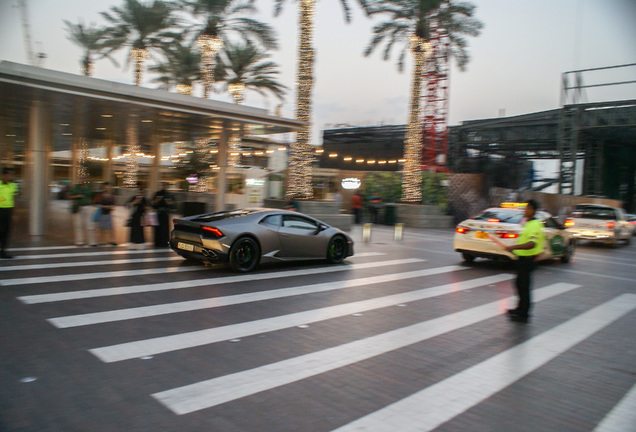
(337, 249)
(244, 255)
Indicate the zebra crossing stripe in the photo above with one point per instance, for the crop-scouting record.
(95, 253)
(216, 391)
(136, 289)
(187, 306)
(130, 350)
(90, 263)
(622, 417)
(439, 403)
(100, 275)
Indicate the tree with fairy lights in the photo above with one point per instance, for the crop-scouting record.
(180, 68)
(220, 18)
(93, 41)
(142, 27)
(301, 152)
(410, 23)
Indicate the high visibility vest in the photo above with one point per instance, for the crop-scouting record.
(532, 231)
(7, 193)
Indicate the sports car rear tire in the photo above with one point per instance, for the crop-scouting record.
(244, 255)
(337, 249)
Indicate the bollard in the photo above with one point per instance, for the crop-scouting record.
(397, 234)
(366, 232)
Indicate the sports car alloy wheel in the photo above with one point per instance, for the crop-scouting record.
(244, 255)
(337, 249)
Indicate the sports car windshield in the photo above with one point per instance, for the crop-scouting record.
(502, 215)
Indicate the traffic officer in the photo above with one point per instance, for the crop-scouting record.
(8, 191)
(529, 245)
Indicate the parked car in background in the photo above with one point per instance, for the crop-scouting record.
(472, 236)
(631, 220)
(244, 238)
(601, 223)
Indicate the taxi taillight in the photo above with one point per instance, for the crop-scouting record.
(462, 230)
(569, 222)
(508, 235)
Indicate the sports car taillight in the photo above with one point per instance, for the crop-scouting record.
(462, 230)
(569, 222)
(211, 230)
(610, 225)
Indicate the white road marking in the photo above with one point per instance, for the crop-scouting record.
(130, 350)
(622, 417)
(93, 253)
(100, 275)
(209, 393)
(187, 306)
(439, 403)
(136, 289)
(90, 263)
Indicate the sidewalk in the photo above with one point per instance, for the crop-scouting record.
(58, 230)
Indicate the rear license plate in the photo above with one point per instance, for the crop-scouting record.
(185, 246)
(481, 235)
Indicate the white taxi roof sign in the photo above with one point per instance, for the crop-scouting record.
(513, 205)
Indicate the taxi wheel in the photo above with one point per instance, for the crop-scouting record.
(468, 257)
(569, 251)
(628, 240)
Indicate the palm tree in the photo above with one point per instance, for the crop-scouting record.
(244, 66)
(180, 68)
(142, 27)
(219, 21)
(300, 163)
(412, 23)
(94, 41)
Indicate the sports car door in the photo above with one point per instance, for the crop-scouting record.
(299, 238)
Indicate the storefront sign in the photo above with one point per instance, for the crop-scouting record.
(350, 183)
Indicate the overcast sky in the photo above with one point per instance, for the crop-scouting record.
(516, 63)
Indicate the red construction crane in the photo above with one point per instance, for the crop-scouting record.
(435, 102)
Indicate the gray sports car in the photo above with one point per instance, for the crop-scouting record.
(244, 238)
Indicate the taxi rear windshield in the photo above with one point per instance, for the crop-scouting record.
(502, 215)
(594, 213)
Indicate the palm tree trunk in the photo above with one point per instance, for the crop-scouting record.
(412, 177)
(138, 56)
(300, 165)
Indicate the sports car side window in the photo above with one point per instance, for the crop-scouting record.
(272, 220)
(299, 222)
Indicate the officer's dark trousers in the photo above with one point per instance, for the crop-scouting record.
(5, 227)
(525, 266)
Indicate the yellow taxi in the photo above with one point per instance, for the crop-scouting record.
(485, 234)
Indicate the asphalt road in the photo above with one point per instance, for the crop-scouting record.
(401, 337)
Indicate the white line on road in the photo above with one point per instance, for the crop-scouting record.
(91, 263)
(95, 253)
(136, 289)
(209, 393)
(623, 417)
(176, 342)
(187, 306)
(439, 403)
(100, 275)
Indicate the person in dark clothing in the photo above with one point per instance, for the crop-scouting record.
(137, 205)
(163, 203)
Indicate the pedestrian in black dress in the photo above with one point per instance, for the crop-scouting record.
(163, 203)
(137, 205)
